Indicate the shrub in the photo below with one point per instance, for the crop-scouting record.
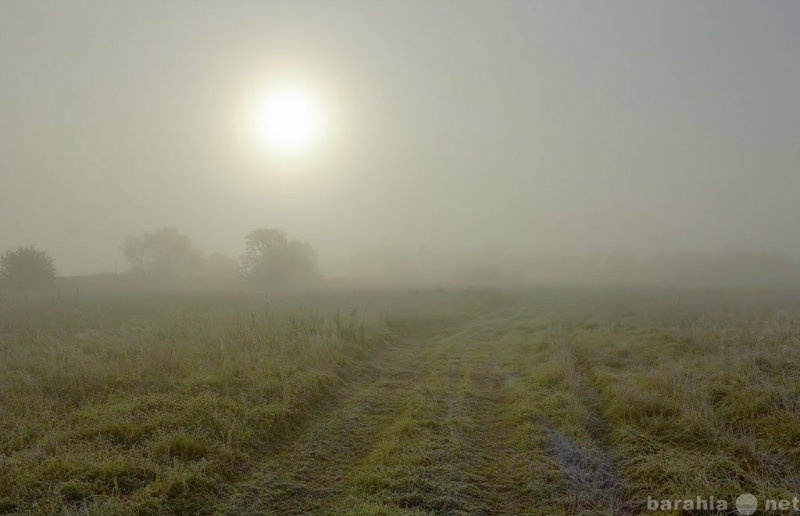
(27, 267)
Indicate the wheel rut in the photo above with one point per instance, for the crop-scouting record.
(308, 474)
(422, 431)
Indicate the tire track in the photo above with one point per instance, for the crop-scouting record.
(310, 473)
(459, 459)
(424, 432)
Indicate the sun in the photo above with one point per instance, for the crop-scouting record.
(288, 121)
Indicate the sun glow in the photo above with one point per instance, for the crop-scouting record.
(288, 121)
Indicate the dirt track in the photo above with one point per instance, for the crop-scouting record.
(422, 429)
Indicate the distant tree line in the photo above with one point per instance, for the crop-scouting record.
(271, 259)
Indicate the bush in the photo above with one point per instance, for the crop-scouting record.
(27, 267)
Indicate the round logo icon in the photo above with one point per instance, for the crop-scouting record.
(746, 504)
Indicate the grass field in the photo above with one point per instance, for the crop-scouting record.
(547, 401)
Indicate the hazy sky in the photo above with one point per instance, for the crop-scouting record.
(574, 126)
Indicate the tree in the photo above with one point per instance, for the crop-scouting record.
(27, 267)
(164, 252)
(272, 259)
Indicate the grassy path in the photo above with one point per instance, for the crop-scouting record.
(309, 474)
(425, 429)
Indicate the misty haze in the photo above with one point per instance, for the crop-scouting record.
(399, 257)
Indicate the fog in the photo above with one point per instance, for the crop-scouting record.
(630, 142)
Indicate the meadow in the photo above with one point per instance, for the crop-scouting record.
(398, 402)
